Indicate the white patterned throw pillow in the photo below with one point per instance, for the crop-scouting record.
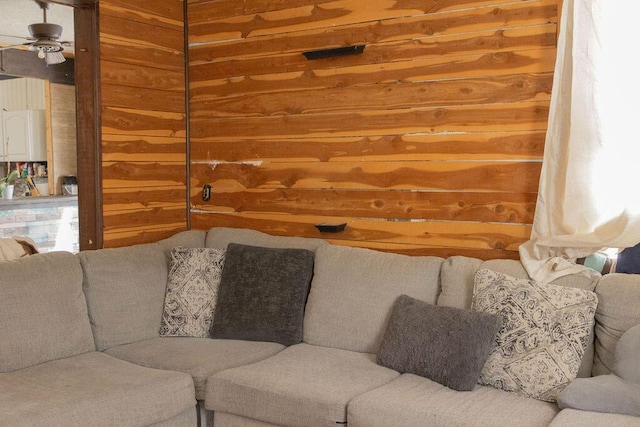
(192, 290)
(543, 337)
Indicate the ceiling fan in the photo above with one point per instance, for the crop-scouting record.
(44, 39)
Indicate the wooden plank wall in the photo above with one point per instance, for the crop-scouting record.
(142, 74)
(430, 142)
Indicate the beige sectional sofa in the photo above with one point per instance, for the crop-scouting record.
(80, 345)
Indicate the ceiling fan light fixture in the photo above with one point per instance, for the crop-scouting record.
(46, 46)
(53, 58)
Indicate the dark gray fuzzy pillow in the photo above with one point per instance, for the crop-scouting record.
(262, 294)
(447, 345)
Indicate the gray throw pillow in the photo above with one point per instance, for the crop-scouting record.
(262, 294)
(445, 344)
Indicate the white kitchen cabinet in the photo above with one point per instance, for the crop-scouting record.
(25, 136)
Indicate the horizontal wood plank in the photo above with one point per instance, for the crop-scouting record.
(502, 89)
(510, 177)
(434, 234)
(143, 98)
(130, 75)
(142, 198)
(143, 56)
(127, 121)
(526, 116)
(130, 148)
(209, 10)
(458, 206)
(127, 236)
(141, 219)
(142, 175)
(437, 146)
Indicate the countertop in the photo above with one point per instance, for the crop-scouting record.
(37, 202)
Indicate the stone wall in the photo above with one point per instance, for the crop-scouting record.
(52, 222)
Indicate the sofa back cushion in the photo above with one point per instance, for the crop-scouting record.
(353, 292)
(220, 237)
(125, 288)
(618, 310)
(44, 312)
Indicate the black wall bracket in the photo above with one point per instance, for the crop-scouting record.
(331, 228)
(334, 51)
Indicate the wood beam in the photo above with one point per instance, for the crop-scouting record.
(24, 63)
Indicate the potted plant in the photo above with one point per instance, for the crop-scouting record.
(5, 183)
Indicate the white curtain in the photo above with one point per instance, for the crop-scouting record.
(589, 196)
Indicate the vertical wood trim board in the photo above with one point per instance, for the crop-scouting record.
(143, 120)
(429, 142)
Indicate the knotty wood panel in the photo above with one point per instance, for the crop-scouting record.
(442, 234)
(388, 96)
(437, 146)
(490, 41)
(126, 199)
(143, 120)
(207, 10)
(428, 25)
(435, 205)
(430, 142)
(136, 175)
(128, 75)
(508, 177)
(531, 116)
(132, 148)
(137, 234)
(490, 64)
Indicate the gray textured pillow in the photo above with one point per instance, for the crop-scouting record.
(618, 393)
(447, 345)
(262, 294)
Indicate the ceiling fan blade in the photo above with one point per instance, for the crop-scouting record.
(14, 37)
(14, 46)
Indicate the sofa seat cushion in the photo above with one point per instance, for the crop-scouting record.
(198, 357)
(411, 400)
(577, 418)
(92, 389)
(301, 385)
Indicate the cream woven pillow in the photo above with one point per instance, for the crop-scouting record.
(543, 337)
(192, 290)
